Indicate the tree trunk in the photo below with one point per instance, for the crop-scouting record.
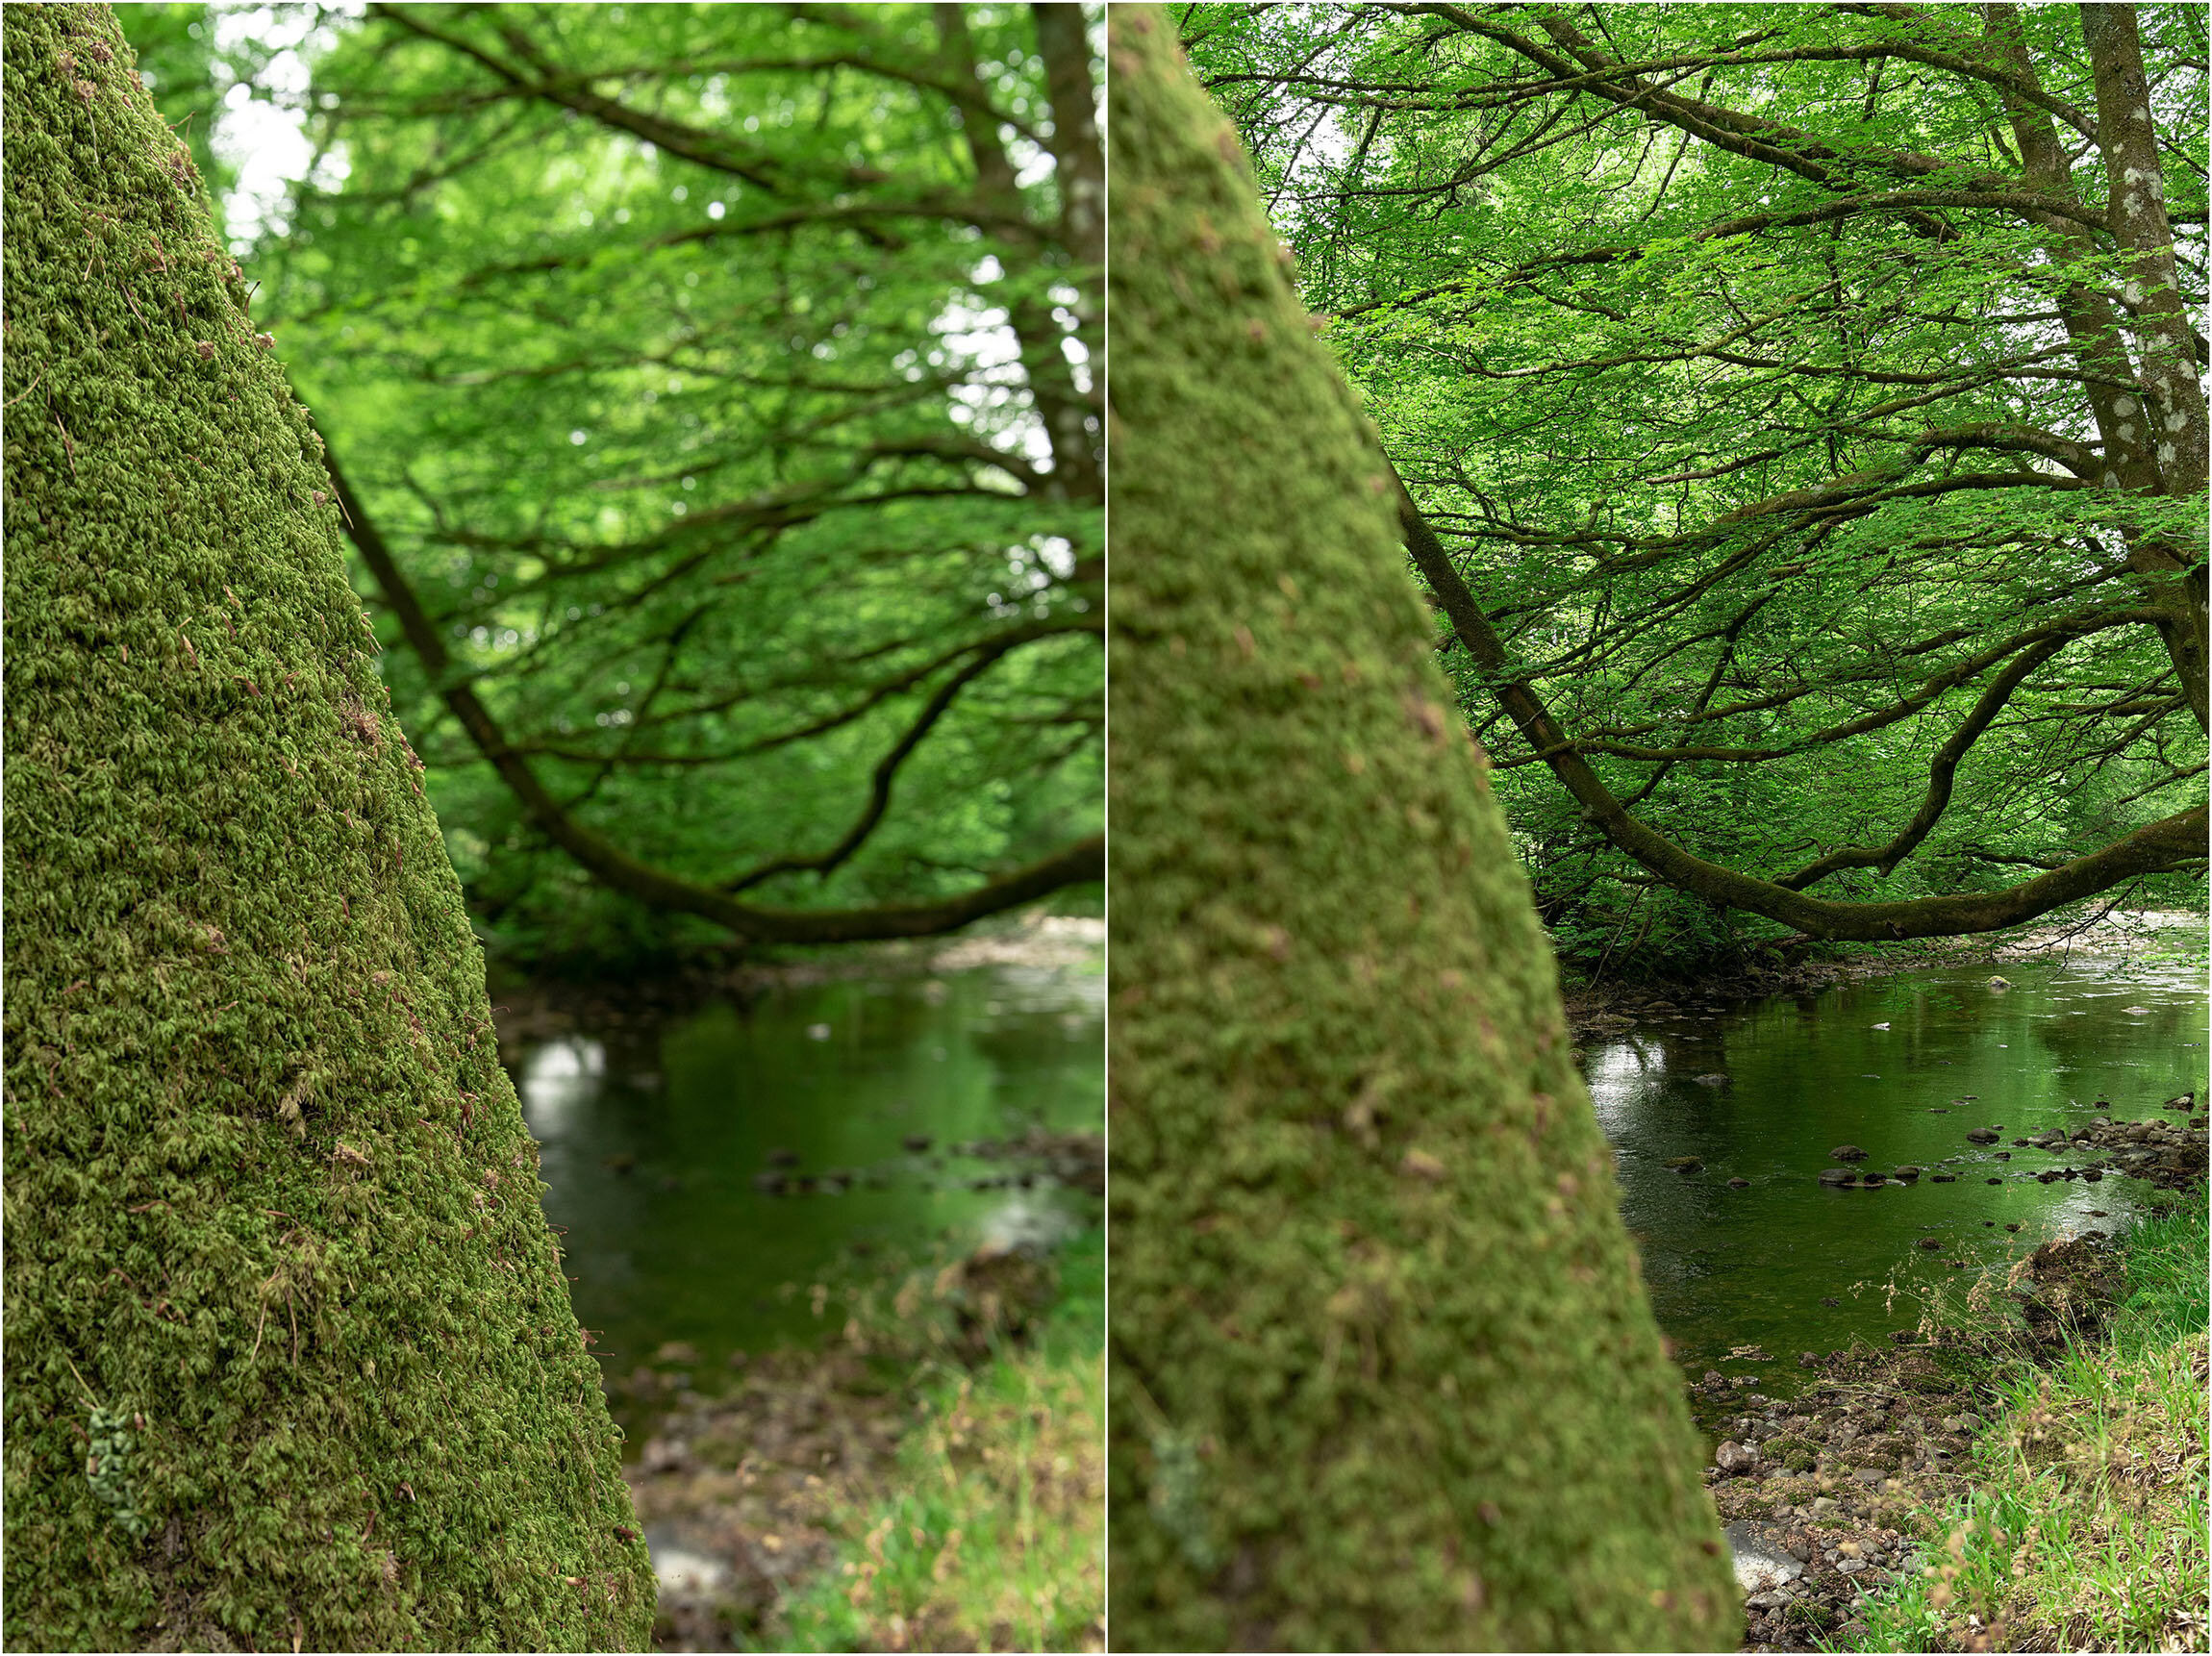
(1384, 1374)
(291, 1361)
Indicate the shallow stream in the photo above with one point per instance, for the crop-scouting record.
(1903, 1068)
(664, 1147)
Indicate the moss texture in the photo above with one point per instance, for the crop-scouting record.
(1384, 1374)
(289, 1358)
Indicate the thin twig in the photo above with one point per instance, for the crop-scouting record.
(68, 443)
(88, 1397)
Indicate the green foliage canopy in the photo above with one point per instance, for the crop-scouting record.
(1816, 430)
(717, 387)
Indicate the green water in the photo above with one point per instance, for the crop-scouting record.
(653, 1142)
(1733, 1268)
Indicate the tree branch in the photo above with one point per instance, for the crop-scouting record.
(1083, 861)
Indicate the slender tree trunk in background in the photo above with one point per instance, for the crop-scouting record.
(1385, 1376)
(291, 1361)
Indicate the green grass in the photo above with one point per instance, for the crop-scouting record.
(2086, 1528)
(993, 1538)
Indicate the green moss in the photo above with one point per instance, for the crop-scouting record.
(1385, 1376)
(1791, 1454)
(289, 1356)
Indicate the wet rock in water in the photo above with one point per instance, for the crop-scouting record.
(2005, 1155)
(1847, 1153)
(1931, 1243)
(1714, 1080)
(1838, 1176)
(1906, 1174)
(2012, 1227)
(1831, 1299)
(1808, 1358)
(2185, 1101)
(1876, 1179)
(1992, 1181)
(1982, 1136)
(2047, 1177)
(2022, 1145)
(1685, 1163)
(1998, 983)
(1943, 1178)
(2093, 1174)
(1988, 1224)
(1739, 1184)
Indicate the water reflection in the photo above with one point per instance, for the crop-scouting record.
(558, 1080)
(1745, 1249)
(664, 1149)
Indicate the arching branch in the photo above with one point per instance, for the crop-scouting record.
(2174, 843)
(1084, 860)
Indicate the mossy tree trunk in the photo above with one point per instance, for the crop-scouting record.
(1385, 1375)
(289, 1358)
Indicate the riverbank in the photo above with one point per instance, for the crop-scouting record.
(931, 1479)
(2023, 1470)
(530, 1010)
(1615, 1004)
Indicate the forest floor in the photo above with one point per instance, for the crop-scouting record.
(2024, 1469)
(1614, 1004)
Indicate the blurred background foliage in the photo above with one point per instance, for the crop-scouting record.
(723, 382)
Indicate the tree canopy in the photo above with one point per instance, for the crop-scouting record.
(1799, 417)
(714, 394)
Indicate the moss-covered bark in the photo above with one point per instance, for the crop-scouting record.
(1385, 1376)
(290, 1359)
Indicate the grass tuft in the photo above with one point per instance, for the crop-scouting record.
(991, 1538)
(2086, 1527)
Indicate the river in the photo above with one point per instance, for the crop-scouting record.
(709, 1171)
(1903, 1068)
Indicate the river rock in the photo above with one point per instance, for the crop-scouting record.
(1998, 983)
(1906, 1174)
(1685, 1163)
(1983, 1136)
(1847, 1153)
(1714, 1080)
(1931, 1243)
(1739, 1184)
(1734, 1456)
(1761, 1565)
(1838, 1176)
(1943, 1178)
(1876, 1179)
